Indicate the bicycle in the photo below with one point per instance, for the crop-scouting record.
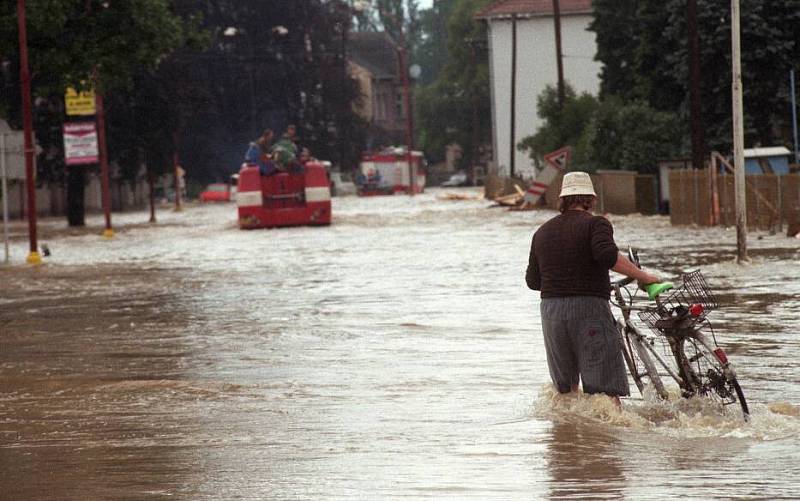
(679, 325)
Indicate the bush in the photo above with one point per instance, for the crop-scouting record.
(607, 134)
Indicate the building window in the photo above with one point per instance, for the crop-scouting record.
(399, 108)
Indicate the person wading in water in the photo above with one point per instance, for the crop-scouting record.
(569, 261)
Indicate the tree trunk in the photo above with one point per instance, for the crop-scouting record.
(76, 185)
(151, 184)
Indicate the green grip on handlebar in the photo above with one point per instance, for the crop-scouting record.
(653, 290)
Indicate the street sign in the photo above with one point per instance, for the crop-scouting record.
(555, 163)
(79, 103)
(80, 143)
(559, 158)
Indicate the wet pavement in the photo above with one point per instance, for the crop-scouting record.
(394, 354)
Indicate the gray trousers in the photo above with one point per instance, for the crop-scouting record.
(583, 343)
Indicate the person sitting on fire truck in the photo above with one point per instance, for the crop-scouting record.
(285, 152)
(258, 154)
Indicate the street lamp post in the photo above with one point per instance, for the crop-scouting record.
(27, 123)
(402, 55)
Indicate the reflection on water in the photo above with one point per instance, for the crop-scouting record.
(396, 353)
(583, 462)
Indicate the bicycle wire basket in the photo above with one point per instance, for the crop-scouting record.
(684, 307)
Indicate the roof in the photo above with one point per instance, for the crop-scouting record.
(374, 51)
(772, 151)
(530, 8)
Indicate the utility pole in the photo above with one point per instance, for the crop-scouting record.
(27, 123)
(5, 194)
(738, 136)
(513, 90)
(794, 116)
(695, 106)
(559, 55)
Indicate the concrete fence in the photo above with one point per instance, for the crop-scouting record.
(618, 192)
(51, 199)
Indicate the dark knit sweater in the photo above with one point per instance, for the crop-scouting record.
(571, 255)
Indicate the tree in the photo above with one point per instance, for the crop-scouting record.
(269, 64)
(204, 78)
(644, 49)
(431, 53)
(456, 107)
(79, 43)
(562, 125)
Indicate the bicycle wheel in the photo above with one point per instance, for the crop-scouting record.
(640, 364)
(712, 374)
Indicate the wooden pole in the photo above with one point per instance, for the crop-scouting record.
(794, 116)
(738, 136)
(559, 55)
(513, 91)
(695, 106)
(5, 194)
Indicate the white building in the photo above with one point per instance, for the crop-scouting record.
(536, 66)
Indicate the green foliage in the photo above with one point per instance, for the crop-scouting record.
(643, 47)
(400, 19)
(173, 79)
(561, 127)
(456, 108)
(644, 136)
(431, 53)
(607, 134)
(69, 41)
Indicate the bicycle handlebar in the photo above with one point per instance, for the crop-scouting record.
(653, 290)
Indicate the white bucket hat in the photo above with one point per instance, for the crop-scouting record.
(577, 183)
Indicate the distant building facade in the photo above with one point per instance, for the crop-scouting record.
(373, 62)
(536, 66)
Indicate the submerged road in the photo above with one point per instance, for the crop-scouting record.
(394, 354)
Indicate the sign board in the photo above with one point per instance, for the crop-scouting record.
(559, 158)
(555, 163)
(79, 103)
(80, 143)
(14, 152)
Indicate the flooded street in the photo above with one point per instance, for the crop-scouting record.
(394, 354)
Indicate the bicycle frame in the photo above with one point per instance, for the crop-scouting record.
(677, 318)
(647, 353)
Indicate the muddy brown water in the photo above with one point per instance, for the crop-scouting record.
(394, 354)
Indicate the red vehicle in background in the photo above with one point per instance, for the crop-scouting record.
(387, 172)
(216, 192)
(284, 198)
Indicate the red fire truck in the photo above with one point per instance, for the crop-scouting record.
(284, 198)
(388, 172)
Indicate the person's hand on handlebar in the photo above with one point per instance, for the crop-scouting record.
(647, 279)
(627, 268)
